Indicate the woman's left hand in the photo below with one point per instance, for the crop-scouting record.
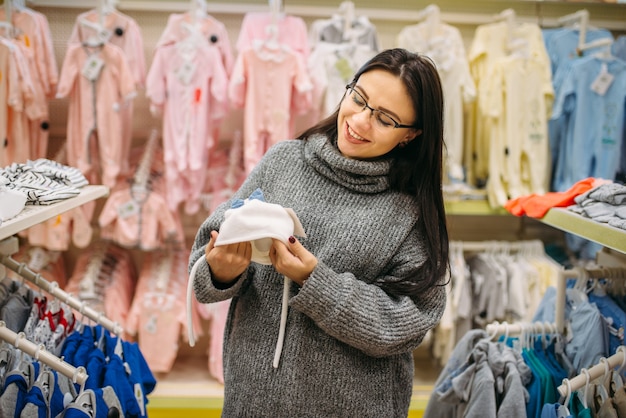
(292, 260)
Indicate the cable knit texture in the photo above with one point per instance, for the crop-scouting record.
(348, 345)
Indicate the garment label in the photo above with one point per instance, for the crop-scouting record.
(602, 83)
(140, 401)
(151, 324)
(38, 259)
(128, 209)
(185, 72)
(92, 67)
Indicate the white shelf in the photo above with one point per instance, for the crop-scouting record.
(603, 234)
(32, 214)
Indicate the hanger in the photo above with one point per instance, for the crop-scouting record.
(276, 7)
(604, 48)
(563, 411)
(346, 9)
(579, 20)
(431, 14)
(583, 395)
(108, 7)
(39, 353)
(101, 34)
(18, 5)
(198, 10)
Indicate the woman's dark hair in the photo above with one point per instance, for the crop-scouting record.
(418, 166)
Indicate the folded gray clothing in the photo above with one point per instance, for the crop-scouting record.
(577, 209)
(585, 196)
(599, 209)
(613, 193)
(618, 223)
(621, 212)
(604, 219)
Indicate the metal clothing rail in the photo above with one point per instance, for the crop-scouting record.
(54, 289)
(39, 353)
(517, 328)
(587, 375)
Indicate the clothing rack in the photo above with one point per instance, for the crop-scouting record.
(499, 245)
(39, 353)
(590, 273)
(570, 385)
(517, 328)
(53, 289)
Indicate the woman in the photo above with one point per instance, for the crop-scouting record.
(367, 282)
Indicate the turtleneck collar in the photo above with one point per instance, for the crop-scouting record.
(363, 176)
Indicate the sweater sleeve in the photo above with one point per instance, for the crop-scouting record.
(363, 315)
(203, 286)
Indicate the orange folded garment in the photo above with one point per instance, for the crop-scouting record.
(536, 206)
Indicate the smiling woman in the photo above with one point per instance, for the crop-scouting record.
(366, 134)
(366, 283)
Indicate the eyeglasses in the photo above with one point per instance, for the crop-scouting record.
(358, 103)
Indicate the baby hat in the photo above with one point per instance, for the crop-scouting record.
(257, 221)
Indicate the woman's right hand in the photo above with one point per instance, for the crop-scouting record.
(227, 262)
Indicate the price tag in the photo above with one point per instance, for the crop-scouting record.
(128, 209)
(602, 83)
(92, 67)
(39, 259)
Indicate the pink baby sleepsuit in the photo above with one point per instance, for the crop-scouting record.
(271, 85)
(157, 314)
(189, 83)
(126, 34)
(20, 100)
(94, 106)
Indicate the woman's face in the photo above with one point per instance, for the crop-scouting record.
(363, 133)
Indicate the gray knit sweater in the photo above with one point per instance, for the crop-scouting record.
(348, 345)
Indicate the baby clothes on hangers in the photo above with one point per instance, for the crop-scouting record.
(56, 234)
(292, 32)
(16, 305)
(444, 44)
(157, 315)
(98, 83)
(138, 219)
(271, 88)
(212, 29)
(189, 84)
(36, 41)
(125, 34)
(108, 287)
(19, 94)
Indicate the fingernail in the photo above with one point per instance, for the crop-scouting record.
(292, 239)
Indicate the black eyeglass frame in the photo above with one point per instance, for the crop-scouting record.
(396, 125)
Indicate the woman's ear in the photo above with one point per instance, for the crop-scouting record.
(412, 134)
